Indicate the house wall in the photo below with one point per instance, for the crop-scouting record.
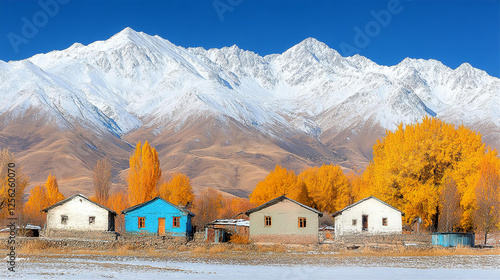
(153, 211)
(375, 211)
(78, 211)
(285, 226)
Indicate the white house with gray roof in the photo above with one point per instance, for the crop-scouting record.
(77, 214)
(369, 215)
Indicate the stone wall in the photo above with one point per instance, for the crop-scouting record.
(130, 242)
(386, 239)
(284, 239)
(76, 234)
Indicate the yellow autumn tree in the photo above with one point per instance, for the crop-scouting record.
(277, 183)
(178, 190)
(42, 197)
(487, 205)
(52, 190)
(232, 206)
(409, 164)
(207, 207)
(144, 174)
(36, 202)
(327, 188)
(118, 201)
(359, 187)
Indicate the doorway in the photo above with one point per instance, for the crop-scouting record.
(161, 226)
(365, 222)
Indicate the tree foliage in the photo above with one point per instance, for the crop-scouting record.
(207, 207)
(449, 203)
(42, 197)
(409, 165)
(211, 205)
(144, 174)
(277, 183)
(327, 187)
(102, 181)
(118, 201)
(178, 190)
(487, 206)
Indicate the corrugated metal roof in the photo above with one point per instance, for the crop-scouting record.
(279, 199)
(231, 222)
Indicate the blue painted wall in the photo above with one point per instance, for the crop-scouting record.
(452, 239)
(158, 208)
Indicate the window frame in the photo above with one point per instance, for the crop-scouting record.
(176, 222)
(64, 219)
(268, 222)
(354, 222)
(141, 221)
(302, 222)
(91, 220)
(384, 222)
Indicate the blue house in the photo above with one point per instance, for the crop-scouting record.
(158, 217)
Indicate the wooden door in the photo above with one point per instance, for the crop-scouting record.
(365, 222)
(161, 226)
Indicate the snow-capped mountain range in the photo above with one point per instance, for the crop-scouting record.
(133, 79)
(136, 81)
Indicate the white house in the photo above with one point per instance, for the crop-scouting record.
(78, 213)
(369, 215)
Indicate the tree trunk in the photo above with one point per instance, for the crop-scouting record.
(485, 237)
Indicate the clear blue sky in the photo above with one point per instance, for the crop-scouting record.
(453, 32)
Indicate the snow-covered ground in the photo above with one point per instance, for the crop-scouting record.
(85, 267)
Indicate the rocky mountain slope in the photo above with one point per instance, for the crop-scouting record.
(223, 116)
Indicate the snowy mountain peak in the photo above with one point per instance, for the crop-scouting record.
(318, 50)
(128, 35)
(134, 79)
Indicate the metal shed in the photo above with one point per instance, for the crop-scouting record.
(452, 239)
(221, 230)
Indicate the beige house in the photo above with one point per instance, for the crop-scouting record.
(284, 220)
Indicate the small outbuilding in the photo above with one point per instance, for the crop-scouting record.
(222, 230)
(453, 239)
(158, 217)
(284, 220)
(369, 215)
(77, 214)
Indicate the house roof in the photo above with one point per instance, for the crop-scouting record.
(153, 200)
(280, 199)
(363, 200)
(76, 195)
(231, 222)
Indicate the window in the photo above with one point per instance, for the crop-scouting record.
(142, 222)
(64, 219)
(302, 222)
(267, 221)
(354, 222)
(384, 221)
(176, 222)
(91, 220)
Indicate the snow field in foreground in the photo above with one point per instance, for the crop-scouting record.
(488, 267)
